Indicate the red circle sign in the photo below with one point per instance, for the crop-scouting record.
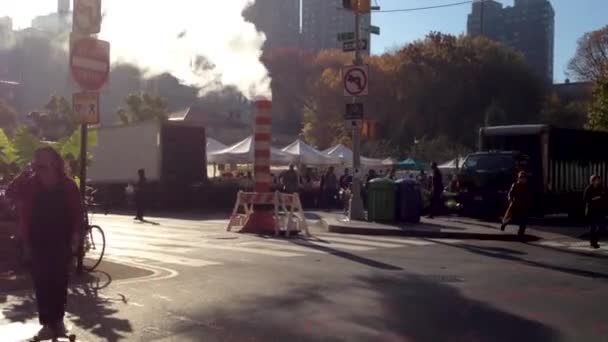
(355, 81)
(90, 63)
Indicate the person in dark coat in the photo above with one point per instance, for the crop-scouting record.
(519, 204)
(51, 219)
(140, 194)
(436, 191)
(595, 197)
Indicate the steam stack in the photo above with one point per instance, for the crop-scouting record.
(262, 220)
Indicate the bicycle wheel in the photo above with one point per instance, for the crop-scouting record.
(94, 248)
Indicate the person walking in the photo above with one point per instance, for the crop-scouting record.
(330, 188)
(51, 220)
(290, 180)
(140, 194)
(436, 191)
(595, 200)
(519, 204)
(346, 181)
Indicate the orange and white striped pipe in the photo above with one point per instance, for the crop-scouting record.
(261, 145)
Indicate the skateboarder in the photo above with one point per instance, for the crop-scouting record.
(50, 219)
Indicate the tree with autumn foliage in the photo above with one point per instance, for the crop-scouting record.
(590, 63)
(441, 86)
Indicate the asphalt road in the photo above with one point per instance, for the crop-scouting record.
(197, 282)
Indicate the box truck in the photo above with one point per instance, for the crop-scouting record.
(171, 153)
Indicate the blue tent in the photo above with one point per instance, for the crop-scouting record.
(411, 164)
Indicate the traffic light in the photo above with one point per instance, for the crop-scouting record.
(360, 6)
(369, 129)
(363, 6)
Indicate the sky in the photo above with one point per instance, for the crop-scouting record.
(572, 19)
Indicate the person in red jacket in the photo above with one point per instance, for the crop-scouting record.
(50, 221)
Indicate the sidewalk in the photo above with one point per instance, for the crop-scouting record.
(454, 227)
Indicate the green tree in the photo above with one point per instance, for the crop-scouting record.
(25, 144)
(56, 121)
(8, 158)
(143, 107)
(69, 148)
(8, 117)
(598, 111)
(559, 113)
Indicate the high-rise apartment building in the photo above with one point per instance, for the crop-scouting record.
(323, 20)
(278, 19)
(527, 26)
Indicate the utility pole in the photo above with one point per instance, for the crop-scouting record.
(482, 16)
(356, 210)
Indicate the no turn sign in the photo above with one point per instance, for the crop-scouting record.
(355, 80)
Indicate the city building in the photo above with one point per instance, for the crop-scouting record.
(323, 20)
(278, 19)
(527, 26)
(58, 22)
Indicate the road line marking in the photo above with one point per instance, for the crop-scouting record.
(396, 240)
(295, 248)
(363, 242)
(160, 257)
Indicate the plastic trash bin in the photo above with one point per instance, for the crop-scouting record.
(381, 200)
(409, 201)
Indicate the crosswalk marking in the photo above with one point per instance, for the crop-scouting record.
(163, 257)
(175, 242)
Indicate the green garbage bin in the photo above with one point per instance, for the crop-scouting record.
(381, 197)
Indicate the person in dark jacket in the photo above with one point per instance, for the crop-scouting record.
(51, 219)
(436, 191)
(519, 204)
(595, 197)
(140, 194)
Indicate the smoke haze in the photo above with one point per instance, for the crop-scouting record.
(204, 43)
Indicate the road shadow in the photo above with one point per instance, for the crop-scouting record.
(144, 221)
(344, 255)
(87, 309)
(378, 307)
(514, 256)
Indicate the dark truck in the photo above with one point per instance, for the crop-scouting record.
(559, 162)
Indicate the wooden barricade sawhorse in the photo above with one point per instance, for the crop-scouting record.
(293, 219)
(292, 207)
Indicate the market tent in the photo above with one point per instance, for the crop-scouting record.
(308, 155)
(214, 146)
(411, 164)
(452, 165)
(243, 153)
(346, 156)
(389, 161)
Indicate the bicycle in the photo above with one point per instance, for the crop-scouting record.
(93, 244)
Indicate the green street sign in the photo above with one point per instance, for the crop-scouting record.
(374, 29)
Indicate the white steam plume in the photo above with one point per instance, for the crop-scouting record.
(203, 43)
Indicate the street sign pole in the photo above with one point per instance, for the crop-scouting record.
(356, 211)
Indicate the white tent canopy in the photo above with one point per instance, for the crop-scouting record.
(214, 146)
(308, 155)
(452, 164)
(243, 153)
(346, 156)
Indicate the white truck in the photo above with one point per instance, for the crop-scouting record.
(172, 154)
